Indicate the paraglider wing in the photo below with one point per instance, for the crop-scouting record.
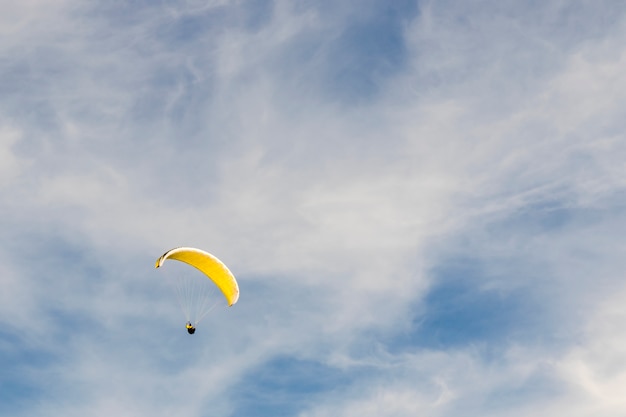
(210, 266)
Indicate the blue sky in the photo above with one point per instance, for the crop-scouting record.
(423, 203)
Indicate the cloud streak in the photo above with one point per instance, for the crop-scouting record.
(422, 203)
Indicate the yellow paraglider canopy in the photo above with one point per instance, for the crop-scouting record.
(210, 266)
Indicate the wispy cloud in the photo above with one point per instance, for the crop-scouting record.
(422, 202)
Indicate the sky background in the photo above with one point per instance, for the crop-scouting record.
(423, 202)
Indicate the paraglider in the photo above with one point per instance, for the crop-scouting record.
(194, 293)
(190, 328)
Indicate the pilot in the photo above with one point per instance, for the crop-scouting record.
(190, 328)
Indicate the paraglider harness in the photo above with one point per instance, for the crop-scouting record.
(190, 328)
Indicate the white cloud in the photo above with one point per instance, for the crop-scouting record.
(10, 165)
(595, 368)
(332, 215)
